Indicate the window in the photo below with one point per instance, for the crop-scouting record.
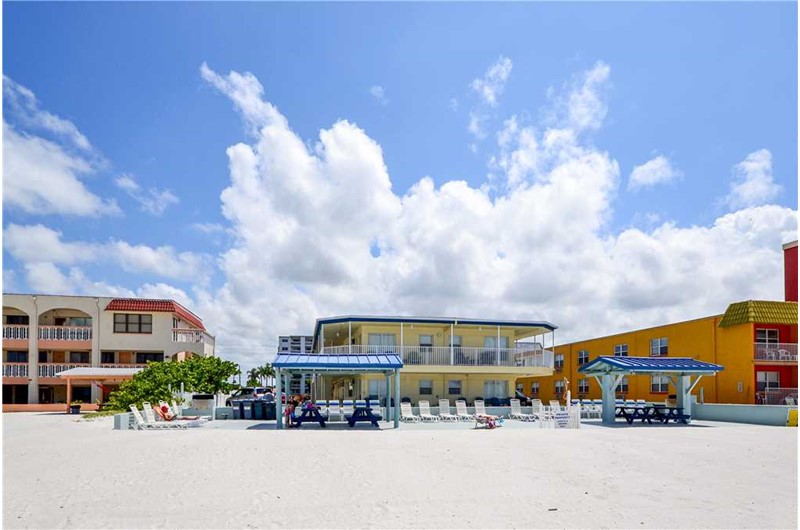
(520, 388)
(620, 350)
(491, 342)
(767, 336)
(143, 357)
(583, 357)
(80, 322)
(17, 357)
(381, 339)
(132, 323)
(535, 389)
(425, 387)
(426, 341)
(659, 384)
(107, 357)
(42, 356)
(454, 387)
(583, 386)
(377, 388)
(623, 386)
(559, 386)
(79, 357)
(766, 380)
(559, 362)
(658, 347)
(456, 342)
(17, 320)
(497, 389)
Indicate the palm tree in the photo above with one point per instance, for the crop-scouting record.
(253, 376)
(265, 372)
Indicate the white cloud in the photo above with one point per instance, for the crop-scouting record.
(493, 83)
(538, 248)
(475, 127)
(657, 170)
(152, 201)
(22, 104)
(753, 183)
(453, 105)
(44, 247)
(377, 92)
(41, 177)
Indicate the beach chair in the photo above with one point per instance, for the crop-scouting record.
(790, 400)
(517, 414)
(461, 411)
(406, 414)
(641, 402)
(150, 418)
(361, 403)
(425, 411)
(335, 410)
(540, 411)
(139, 421)
(347, 407)
(375, 407)
(488, 422)
(555, 406)
(480, 407)
(444, 411)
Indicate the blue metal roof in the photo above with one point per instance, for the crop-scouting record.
(682, 365)
(338, 362)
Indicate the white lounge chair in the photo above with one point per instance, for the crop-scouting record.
(139, 421)
(150, 418)
(541, 412)
(444, 411)
(461, 411)
(425, 411)
(555, 406)
(517, 414)
(334, 409)
(480, 408)
(406, 414)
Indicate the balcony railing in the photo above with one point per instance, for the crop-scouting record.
(51, 369)
(456, 356)
(777, 396)
(15, 332)
(15, 369)
(775, 351)
(122, 365)
(191, 335)
(65, 333)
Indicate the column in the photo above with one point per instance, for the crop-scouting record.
(350, 337)
(69, 392)
(608, 382)
(396, 409)
(452, 359)
(683, 390)
(278, 404)
(497, 346)
(97, 393)
(388, 394)
(33, 355)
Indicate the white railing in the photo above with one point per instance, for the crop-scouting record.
(15, 369)
(51, 369)
(15, 332)
(777, 396)
(456, 356)
(775, 351)
(191, 335)
(122, 365)
(65, 333)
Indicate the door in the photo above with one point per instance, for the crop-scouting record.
(45, 394)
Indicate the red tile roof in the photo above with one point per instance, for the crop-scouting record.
(156, 306)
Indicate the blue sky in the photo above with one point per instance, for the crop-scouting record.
(695, 87)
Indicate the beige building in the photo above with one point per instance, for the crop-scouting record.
(47, 334)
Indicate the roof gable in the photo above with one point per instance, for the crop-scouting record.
(764, 312)
(155, 306)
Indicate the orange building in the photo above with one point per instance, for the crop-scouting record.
(756, 342)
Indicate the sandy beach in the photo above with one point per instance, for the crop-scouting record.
(63, 473)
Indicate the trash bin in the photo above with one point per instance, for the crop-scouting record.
(258, 410)
(270, 411)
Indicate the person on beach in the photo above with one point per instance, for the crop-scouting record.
(290, 413)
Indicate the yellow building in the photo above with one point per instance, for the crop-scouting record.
(442, 357)
(755, 341)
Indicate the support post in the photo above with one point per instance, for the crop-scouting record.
(452, 359)
(609, 383)
(278, 403)
(350, 337)
(69, 392)
(388, 393)
(322, 338)
(402, 351)
(497, 346)
(683, 391)
(396, 398)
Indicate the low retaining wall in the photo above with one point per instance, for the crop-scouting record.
(756, 414)
(52, 407)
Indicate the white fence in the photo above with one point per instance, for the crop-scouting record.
(455, 356)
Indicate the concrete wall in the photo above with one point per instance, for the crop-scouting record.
(756, 414)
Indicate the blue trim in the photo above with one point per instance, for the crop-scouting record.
(430, 320)
(607, 364)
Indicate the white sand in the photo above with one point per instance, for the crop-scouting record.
(62, 473)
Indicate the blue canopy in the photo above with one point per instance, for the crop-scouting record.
(651, 365)
(342, 363)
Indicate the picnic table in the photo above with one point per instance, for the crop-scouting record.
(310, 413)
(650, 413)
(362, 414)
